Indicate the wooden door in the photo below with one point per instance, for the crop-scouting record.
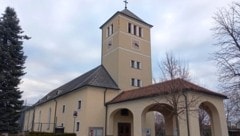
(124, 129)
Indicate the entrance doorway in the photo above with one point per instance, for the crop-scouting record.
(124, 129)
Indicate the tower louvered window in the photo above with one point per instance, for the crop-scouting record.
(135, 30)
(136, 82)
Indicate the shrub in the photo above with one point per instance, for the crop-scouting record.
(49, 134)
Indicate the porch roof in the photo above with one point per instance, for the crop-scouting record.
(166, 87)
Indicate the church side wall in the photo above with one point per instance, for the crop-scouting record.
(28, 120)
(44, 117)
(67, 105)
(96, 109)
(90, 114)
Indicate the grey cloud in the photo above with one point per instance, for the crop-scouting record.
(66, 39)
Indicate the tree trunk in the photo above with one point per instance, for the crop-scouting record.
(177, 125)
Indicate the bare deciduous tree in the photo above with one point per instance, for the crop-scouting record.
(204, 122)
(227, 34)
(172, 69)
(159, 124)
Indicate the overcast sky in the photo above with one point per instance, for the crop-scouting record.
(66, 39)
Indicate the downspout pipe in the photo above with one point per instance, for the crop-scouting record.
(32, 129)
(187, 115)
(106, 111)
(55, 117)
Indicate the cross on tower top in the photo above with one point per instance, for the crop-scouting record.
(125, 1)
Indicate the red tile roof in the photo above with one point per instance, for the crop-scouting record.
(162, 88)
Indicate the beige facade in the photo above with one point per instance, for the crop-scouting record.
(60, 111)
(117, 98)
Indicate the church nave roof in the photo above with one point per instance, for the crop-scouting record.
(97, 77)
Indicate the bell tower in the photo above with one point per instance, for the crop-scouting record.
(126, 49)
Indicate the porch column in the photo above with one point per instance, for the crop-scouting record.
(194, 122)
(110, 124)
(137, 124)
(221, 127)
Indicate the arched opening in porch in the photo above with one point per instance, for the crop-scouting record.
(121, 121)
(158, 117)
(209, 120)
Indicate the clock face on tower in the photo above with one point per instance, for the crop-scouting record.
(135, 44)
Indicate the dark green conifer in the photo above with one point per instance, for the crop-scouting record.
(12, 61)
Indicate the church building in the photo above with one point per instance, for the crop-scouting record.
(117, 98)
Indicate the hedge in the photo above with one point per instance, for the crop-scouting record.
(49, 134)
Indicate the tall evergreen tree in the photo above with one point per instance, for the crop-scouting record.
(12, 61)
